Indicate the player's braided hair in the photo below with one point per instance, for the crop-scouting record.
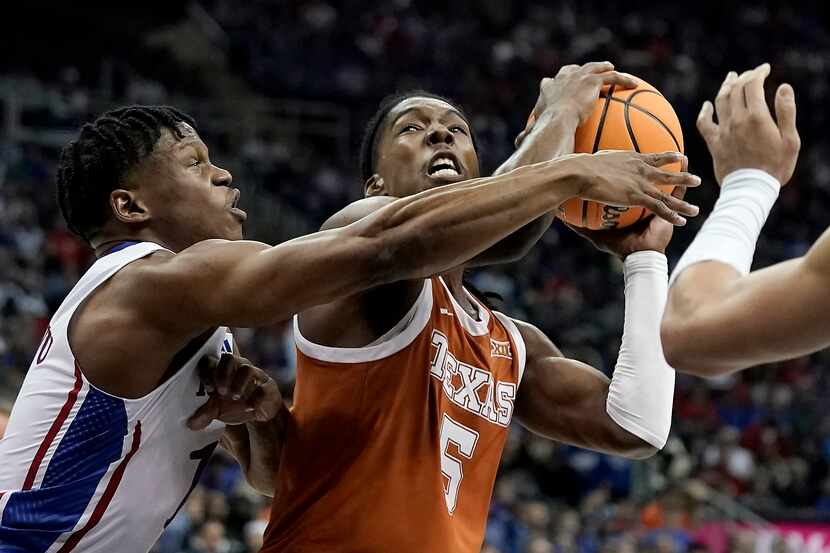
(105, 151)
(369, 144)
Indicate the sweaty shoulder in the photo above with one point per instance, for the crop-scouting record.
(357, 320)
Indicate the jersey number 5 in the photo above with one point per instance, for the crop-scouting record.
(465, 440)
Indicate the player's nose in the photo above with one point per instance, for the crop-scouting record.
(440, 134)
(221, 177)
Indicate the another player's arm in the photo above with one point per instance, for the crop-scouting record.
(565, 400)
(257, 447)
(720, 317)
(719, 321)
(564, 103)
(249, 401)
(244, 283)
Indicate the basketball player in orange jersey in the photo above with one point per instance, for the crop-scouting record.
(99, 424)
(405, 392)
(721, 317)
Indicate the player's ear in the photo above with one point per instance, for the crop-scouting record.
(375, 186)
(128, 207)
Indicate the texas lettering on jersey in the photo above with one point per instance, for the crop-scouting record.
(469, 387)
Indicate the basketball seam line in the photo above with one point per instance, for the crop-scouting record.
(628, 104)
(628, 121)
(597, 136)
(645, 111)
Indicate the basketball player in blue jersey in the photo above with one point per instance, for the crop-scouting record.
(98, 455)
(721, 317)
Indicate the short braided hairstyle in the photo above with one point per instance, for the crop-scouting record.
(369, 144)
(96, 163)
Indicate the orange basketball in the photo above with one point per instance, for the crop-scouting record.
(639, 119)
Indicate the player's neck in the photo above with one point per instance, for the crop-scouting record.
(103, 244)
(455, 282)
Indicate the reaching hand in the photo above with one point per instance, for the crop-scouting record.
(626, 179)
(575, 89)
(746, 136)
(652, 234)
(238, 392)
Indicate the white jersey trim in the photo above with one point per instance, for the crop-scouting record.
(521, 349)
(479, 327)
(418, 315)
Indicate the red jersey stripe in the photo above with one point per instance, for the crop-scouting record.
(105, 500)
(53, 431)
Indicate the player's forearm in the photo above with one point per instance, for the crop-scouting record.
(710, 273)
(442, 228)
(695, 300)
(552, 136)
(257, 447)
(641, 392)
(731, 322)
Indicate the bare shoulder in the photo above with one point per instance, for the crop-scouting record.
(359, 319)
(112, 321)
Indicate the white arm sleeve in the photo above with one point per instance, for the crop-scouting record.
(730, 233)
(641, 393)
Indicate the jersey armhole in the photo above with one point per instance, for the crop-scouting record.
(518, 341)
(418, 317)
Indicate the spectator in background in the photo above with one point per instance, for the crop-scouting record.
(211, 539)
(253, 533)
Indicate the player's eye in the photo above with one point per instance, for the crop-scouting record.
(458, 128)
(195, 162)
(411, 127)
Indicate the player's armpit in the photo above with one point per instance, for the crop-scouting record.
(565, 400)
(717, 321)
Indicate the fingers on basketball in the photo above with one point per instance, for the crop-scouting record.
(639, 119)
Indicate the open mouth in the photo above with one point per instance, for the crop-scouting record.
(444, 166)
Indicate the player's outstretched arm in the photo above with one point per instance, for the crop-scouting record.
(720, 318)
(564, 103)
(250, 284)
(569, 401)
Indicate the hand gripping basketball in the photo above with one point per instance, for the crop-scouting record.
(626, 179)
(622, 118)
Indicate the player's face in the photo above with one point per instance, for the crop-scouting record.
(424, 143)
(188, 198)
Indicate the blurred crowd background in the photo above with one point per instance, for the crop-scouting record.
(281, 91)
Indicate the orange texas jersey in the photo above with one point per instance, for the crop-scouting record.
(395, 446)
